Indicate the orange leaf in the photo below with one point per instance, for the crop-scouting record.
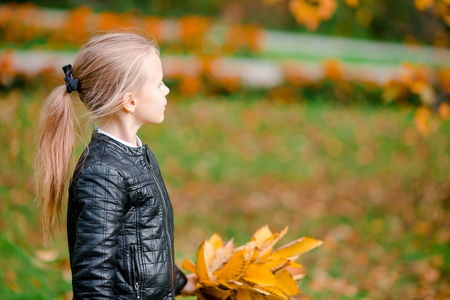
(233, 268)
(297, 247)
(213, 292)
(261, 235)
(269, 243)
(242, 294)
(295, 265)
(190, 266)
(250, 248)
(276, 262)
(222, 255)
(297, 273)
(278, 267)
(274, 292)
(255, 293)
(260, 274)
(202, 271)
(209, 256)
(286, 283)
(216, 241)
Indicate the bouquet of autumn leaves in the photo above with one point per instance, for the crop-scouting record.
(252, 271)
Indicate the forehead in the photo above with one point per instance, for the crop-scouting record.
(154, 66)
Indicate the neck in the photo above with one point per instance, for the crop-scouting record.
(123, 128)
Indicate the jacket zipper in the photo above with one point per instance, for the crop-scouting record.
(165, 213)
(136, 272)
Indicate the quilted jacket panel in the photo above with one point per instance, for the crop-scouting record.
(120, 225)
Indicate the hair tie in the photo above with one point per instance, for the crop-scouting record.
(71, 83)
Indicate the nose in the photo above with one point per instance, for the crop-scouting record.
(167, 90)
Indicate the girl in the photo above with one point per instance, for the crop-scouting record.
(119, 217)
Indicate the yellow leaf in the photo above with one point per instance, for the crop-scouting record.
(286, 283)
(297, 273)
(216, 241)
(242, 294)
(269, 243)
(209, 284)
(209, 257)
(279, 267)
(280, 235)
(297, 247)
(232, 285)
(222, 255)
(295, 265)
(229, 248)
(261, 235)
(237, 283)
(233, 269)
(266, 256)
(275, 262)
(249, 250)
(251, 293)
(255, 255)
(261, 293)
(259, 274)
(274, 292)
(213, 292)
(202, 271)
(190, 266)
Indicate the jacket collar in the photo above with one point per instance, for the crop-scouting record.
(116, 145)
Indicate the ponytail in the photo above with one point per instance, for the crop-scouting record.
(55, 142)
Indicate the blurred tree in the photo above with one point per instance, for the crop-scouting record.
(167, 8)
(412, 21)
(418, 21)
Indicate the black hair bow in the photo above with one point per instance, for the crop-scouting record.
(71, 83)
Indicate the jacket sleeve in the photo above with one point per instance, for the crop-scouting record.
(181, 280)
(100, 196)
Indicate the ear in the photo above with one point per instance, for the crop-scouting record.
(129, 102)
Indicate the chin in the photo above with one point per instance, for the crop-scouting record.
(155, 120)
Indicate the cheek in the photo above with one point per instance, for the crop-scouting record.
(152, 96)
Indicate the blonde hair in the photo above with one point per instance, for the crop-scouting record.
(107, 67)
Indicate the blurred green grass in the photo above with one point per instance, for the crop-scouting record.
(358, 177)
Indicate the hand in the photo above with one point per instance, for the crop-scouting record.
(189, 288)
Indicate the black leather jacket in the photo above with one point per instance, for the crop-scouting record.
(120, 225)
